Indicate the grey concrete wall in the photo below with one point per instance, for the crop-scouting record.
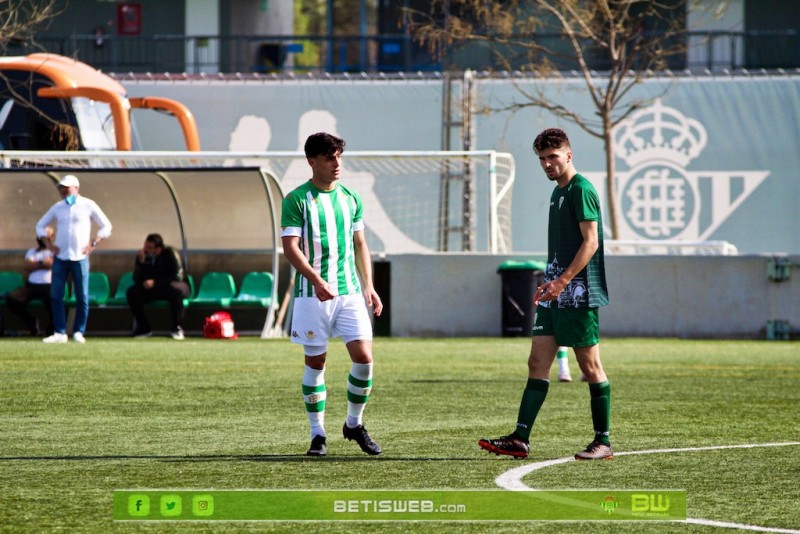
(652, 296)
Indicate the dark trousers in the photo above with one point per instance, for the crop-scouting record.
(17, 302)
(138, 296)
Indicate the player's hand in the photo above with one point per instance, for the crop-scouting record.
(373, 300)
(323, 291)
(547, 291)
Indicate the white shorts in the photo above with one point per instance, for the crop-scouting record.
(314, 322)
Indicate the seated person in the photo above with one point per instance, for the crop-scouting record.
(38, 268)
(157, 275)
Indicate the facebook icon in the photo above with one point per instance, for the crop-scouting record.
(138, 505)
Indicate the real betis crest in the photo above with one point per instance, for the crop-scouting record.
(659, 197)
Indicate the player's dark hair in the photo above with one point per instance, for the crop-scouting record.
(323, 144)
(41, 244)
(551, 138)
(155, 239)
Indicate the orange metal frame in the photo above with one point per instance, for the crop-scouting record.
(72, 78)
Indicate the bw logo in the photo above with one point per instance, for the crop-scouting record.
(649, 502)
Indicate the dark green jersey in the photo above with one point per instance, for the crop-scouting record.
(570, 205)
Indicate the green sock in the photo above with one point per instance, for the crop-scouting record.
(601, 410)
(532, 400)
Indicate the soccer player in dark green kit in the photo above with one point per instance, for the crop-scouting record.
(567, 302)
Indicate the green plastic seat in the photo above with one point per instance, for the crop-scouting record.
(9, 281)
(99, 290)
(192, 293)
(256, 290)
(216, 289)
(119, 298)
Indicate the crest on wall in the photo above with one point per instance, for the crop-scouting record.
(658, 196)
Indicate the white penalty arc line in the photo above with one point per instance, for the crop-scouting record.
(512, 479)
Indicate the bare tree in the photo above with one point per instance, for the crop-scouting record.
(20, 19)
(19, 22)
(613, 45)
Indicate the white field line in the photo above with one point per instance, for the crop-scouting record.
(512, 479)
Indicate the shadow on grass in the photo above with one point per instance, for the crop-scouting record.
(230, 458)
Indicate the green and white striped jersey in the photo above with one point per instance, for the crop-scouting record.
(325, 222)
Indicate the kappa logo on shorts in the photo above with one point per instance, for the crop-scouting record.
(295, 334)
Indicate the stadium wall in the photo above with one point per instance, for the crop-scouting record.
(708, 158)
(651, 296)
(460, 295)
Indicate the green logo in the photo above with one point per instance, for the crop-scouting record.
(650, 503)
(203, 505)
(138, 505)
(171, 505)
(609, 504)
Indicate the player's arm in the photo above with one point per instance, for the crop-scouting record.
(591, 242)
(298, 260)
(364, 266)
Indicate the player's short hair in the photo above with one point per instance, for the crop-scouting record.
(155, 239)
(323, 144)
(551, 138)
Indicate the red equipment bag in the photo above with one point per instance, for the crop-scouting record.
(219, 325)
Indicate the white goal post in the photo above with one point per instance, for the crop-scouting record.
(436, 201)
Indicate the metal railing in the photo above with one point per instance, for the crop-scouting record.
(244, 53)
(211, 54)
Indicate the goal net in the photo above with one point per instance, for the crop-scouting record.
(454, 201)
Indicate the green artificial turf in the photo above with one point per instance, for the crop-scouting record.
(79, 422)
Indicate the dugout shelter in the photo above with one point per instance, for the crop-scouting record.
(220, 219)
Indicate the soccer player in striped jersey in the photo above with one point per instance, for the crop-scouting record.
(323, 239)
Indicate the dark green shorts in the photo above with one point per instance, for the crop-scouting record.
(572, 327)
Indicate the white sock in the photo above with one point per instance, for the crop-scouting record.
(359, 386)
(563, 360)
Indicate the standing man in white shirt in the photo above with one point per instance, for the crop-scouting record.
(73, 244)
